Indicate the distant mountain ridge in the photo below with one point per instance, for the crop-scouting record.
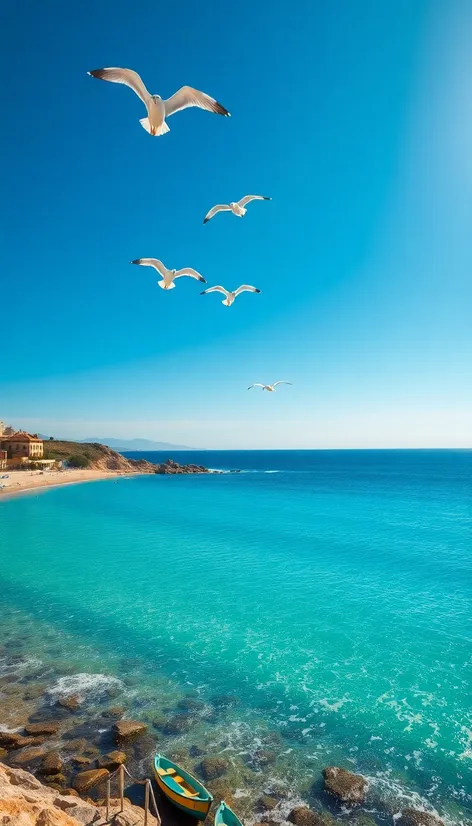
(135, 444)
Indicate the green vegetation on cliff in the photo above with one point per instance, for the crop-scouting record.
(78, 454)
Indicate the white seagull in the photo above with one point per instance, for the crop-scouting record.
(269, 387)
(230, 296)
(157, 108)
(236, 207)
(168, 276)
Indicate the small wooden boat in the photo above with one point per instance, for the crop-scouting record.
(181, 788)
(225, 816)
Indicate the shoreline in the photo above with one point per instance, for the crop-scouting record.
(21, 481)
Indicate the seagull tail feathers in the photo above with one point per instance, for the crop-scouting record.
(161, 130)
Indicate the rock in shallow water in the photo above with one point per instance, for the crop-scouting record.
(212, 767)
(127, 729)
(46, 729)
(345, 786)
(70, 703)
(413, 817)
(112, 760)
(84, 781)
(12, 740)
(27, 757)
(303, 816)
(51, 763)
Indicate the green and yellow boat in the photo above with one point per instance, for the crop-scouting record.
(225, 816)
(181, 788)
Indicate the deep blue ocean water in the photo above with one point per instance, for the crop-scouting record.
(328, 591)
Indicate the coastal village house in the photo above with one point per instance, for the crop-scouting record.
(3, 459)
(22, 447)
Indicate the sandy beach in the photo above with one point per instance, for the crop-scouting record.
(23, 481)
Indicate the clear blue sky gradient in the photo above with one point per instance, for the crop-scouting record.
(356, 118)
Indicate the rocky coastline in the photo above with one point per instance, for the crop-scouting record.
(61, 747)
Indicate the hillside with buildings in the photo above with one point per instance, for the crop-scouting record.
(21, 450)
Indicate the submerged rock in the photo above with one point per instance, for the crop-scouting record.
(70, 703)
(84, 781)
(191, 705)
(267, 803)
(303, 816)
(27, 757)
(10, 740)
(178, 724)
(414, 817)
(46, 729)
(212, 767)
(113, 712)
(112, 760)
(127, 729)
(345, 786)
(222, 790)
(220, 701)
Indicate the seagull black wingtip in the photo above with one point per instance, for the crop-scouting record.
(136, 261)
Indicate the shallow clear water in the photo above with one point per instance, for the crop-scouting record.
(329, 591)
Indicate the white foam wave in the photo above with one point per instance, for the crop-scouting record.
(84, 686)
(8, 668)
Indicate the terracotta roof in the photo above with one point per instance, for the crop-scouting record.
(21, 437)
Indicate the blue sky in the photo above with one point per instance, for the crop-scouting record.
(354, 116)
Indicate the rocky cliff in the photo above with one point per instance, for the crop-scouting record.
(24, 801)
(100, 457)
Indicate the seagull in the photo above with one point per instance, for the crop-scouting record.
(236, 207)
(230, 296)
(158, 110)
(269, 387)
(168, 276)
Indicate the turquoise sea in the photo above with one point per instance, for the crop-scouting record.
(318, 604)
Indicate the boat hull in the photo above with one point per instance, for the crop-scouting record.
(195, 807)
(225, 816)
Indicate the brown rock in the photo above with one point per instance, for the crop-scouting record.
(267, 803)
(112, 760)
(213, 767)
(413, 817)
(11, 740)
(70, 792)
(55, 781)
(70, 703)
(303, 816)
(128, 729)
(51, 763)
(345, 786)
(80, 760)
(27, 757)
(84, 781)
(45, 729)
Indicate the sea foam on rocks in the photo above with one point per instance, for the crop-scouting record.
(83, 686)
